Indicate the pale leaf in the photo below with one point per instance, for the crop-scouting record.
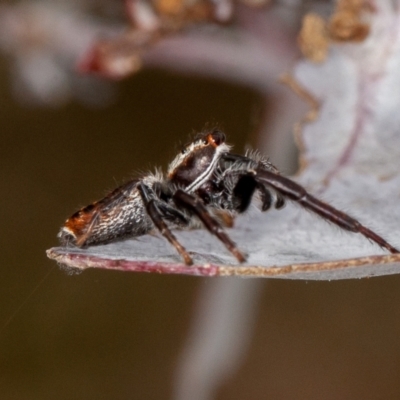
(351, 154)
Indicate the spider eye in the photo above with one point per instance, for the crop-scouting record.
(216, 138)
(205, 141)
(183, 151)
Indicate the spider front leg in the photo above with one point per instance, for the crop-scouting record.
(196, 206)
(297, 193)
(156, 215)
(267, 199)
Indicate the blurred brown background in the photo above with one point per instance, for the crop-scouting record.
(113, 335)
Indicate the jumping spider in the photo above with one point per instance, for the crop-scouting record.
(202, 182)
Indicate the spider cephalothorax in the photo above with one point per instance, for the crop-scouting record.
(202, 182)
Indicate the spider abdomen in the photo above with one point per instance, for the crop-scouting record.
(120, 214)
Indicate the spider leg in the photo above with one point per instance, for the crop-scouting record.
(295, 192)
(226, 219)
(172, 214)
(245, 194)
(156, 216)
(267, 198)
(196, 206)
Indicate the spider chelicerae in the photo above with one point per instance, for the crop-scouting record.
(205, 185)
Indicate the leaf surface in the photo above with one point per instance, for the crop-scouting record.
(351, 159)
